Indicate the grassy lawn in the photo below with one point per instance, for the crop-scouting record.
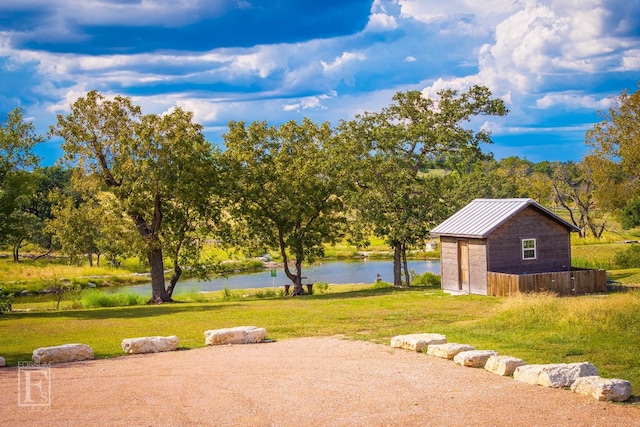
(603, 329)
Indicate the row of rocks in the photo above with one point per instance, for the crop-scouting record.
(79, 352)
(580, 377)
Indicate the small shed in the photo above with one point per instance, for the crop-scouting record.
(504, 246)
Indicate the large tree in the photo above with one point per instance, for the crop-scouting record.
(17, 140)
(90, 225)
(153, 164)
(285, 186)
(487, 179)
(396, 193)
(574, 191)
(614, 157)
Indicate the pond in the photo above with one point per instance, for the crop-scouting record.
(332, 272)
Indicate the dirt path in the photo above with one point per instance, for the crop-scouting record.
(298, 382)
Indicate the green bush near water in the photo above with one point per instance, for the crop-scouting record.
(426, 279)
(6, 299)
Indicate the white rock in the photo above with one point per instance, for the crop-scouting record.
(473, 358)
(62, 353)
(554, 375)
(2, 362)
(612, 389)
(237, 335)
(417, 342)
(503, 365)
(447, 350)
(149, 344)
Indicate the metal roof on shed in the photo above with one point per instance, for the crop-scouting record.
(482, 216)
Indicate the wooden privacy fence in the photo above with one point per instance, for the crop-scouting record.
(577, 281)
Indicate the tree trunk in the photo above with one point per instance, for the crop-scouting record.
(16, 250)
(397, 265)
(158, 292)
(407, 279)
(90, 256)
(177, 272)
(297, 284)
(154, 253)
(296, 278)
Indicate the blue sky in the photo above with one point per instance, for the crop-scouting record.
(554, 62)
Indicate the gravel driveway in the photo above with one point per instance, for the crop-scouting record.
(297, 382)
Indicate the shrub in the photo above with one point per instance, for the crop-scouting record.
(321, 287)
(267, 293)
(427, 279)
(6, 298)
(381, 284)
(628, 258)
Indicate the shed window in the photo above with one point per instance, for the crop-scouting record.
(528, 248)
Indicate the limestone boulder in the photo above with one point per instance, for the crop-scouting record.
(62, 353)
(2, 362)
(237, 335)
(604, 389)
(149, 344)
(556, 375)
(417, 342)
(473, 358)
(503, 365)
(448, 350)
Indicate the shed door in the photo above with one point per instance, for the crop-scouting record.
(463, 264)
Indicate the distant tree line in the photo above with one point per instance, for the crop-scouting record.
(151, 186)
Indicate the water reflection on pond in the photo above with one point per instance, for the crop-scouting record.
(332, 272)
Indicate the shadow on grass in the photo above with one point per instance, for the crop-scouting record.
(371, 292)
(142, 311)
(136, 311)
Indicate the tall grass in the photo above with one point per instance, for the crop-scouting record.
(543, 328)
(594, 264)
(96, 299)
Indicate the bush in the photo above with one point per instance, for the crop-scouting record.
(96, 299)
(427, 280)
(381, 284)
(6, 298)
(321, 287)
(630, 216)
(267, 293)
(628, 258)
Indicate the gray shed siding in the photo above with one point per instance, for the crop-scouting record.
(449, 268)
(553, 245)
(477, 266)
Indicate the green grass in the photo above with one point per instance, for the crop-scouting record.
(604, 330)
